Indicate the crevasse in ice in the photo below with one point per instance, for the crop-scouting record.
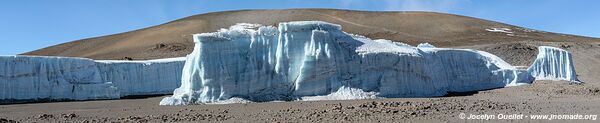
(310, 58)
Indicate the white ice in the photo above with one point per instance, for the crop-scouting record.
(343, 93)
(315, 59)
(502, 30)
(146, 77)
(34, 78)
(553, 64)
(25, 78)
(425, 45)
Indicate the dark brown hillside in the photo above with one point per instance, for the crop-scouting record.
(173, 39)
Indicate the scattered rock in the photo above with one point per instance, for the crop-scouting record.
(127, 58)
(172, 47)
(3, 120)
(565, 46)
(69, 115)
(45, 116)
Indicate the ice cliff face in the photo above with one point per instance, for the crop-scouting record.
(300, 59)
(32, 78)
(149, 77)
(553, 64)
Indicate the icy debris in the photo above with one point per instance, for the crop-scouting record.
(385, 41)
(344, 93)
(502, 30)
(232, 101)
(316, 60)
(240, 26)
(553, 63)
(31, 78)
(402, 44)
(425, 45)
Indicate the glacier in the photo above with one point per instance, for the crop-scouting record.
(38, 78)
(57, 78)
(553, 63)
(303, 60)
(309, 59)
(146, 77)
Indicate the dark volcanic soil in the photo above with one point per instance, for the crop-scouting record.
(543, 97)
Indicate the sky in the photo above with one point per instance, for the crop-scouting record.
(27, 25)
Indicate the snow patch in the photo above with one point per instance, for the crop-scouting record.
(344, 93)
(232, 100)
(245, 26)
(425, 45)
(502, 30)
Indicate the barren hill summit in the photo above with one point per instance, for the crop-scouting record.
(174, 39)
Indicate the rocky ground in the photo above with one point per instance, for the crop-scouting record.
(542, 97)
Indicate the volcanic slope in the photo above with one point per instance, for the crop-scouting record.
(516, 45)
(173, 39)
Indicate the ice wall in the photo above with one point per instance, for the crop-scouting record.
(553, 64)
(149, 77)
(34, 78)
(311, 58)
(27, 78)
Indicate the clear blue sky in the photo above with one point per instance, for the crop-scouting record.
(26, 25)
